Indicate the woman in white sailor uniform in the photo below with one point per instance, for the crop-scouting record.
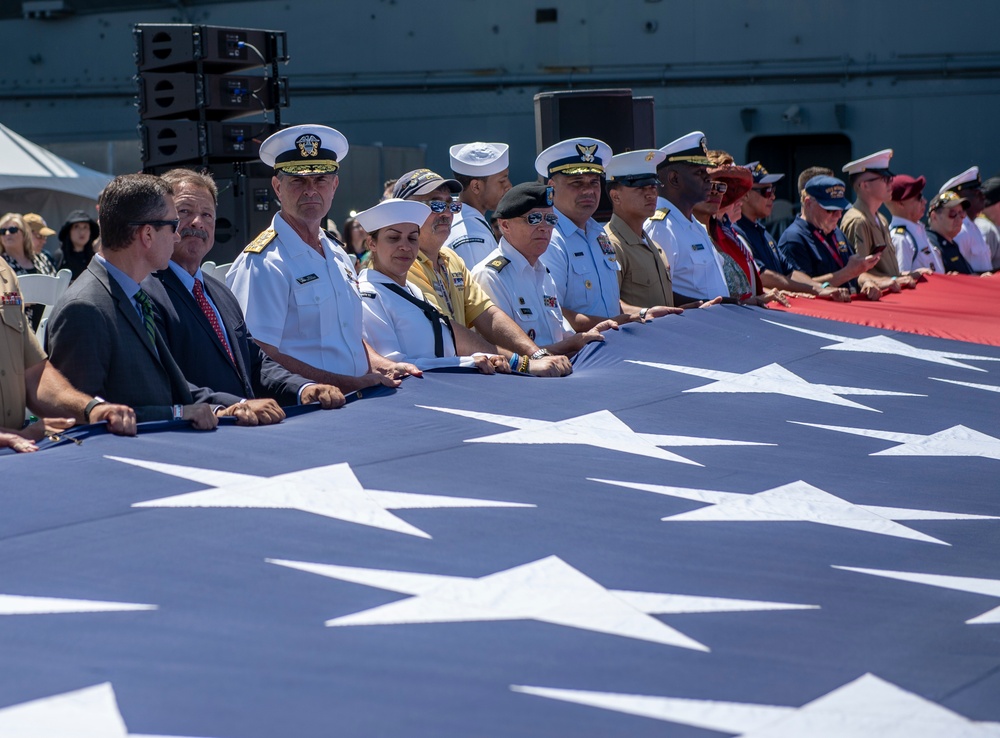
(398, 322)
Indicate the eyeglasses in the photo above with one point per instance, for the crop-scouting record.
(535, 218)
(157, 223)
(438, 206)
(878, 178)
(765, 191)
(719, 187)
(12, 230)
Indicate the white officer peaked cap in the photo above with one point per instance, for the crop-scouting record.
(690, 148)
(574, 156)
(635, 168)
(303, 150)
(479, 159)
(393, 212)
(877, 162)
(969, 177)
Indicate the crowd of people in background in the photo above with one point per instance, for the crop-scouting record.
(466, 270)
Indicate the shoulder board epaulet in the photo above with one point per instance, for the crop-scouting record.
(899, 229)
(333, 237)
(660, 214)
(261, 242)
(498, 263)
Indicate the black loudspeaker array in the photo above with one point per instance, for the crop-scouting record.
(207, 97)
(624, 123)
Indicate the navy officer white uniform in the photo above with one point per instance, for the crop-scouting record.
(909, 237)
(297, 287)
(696, 267)
(580, 256)
(970, 239)
(398, 322)
(517, 281)
(483, 171)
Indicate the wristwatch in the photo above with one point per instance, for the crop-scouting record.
(540, 353)
(98, 400)
(642, 313)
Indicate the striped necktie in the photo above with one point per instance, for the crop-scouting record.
(206, 308)
(146, 305)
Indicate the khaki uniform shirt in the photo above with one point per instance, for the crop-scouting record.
(864, 231)
(19, 350)
(644, 278)
(452, 290)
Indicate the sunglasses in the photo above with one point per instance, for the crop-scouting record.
(157, 223)
(956, 213)
(878, 178)
(719, 187)
(12, 230)
(438, 206)
(535, 218)
(765, 191)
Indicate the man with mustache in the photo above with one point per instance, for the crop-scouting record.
(201, 320)
(297, 287)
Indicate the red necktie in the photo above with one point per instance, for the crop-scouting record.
(199, 297)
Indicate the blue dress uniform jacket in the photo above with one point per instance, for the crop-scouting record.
(765, 249)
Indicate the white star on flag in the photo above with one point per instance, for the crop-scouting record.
(22, 605)
(332, 491)
(774, 379)
(892, 347)
(798, 502)
(955, 441)
(547, 590)
(988, 587)
(987, 387)
(867, 707)
(601, 429)
(91, 712)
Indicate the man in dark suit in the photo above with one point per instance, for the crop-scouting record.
(102, 334)
(201, 320)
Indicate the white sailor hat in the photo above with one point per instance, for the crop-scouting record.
(968, 178)
(306, 149)
(689, 148)
(635, 168)
(877, 162)
(393, 212)
(479, 159)
(573, 156)
(760, 175)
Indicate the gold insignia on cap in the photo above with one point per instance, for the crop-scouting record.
(308, 144)
(586, 152)
(650, 156)
(836, 192)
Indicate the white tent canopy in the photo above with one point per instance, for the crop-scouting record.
(33, 179)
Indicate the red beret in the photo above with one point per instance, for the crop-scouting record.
(904, 187)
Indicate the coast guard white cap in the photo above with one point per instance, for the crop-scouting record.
(635, 168)
(877, 162)
(393, 212)
(306, 149)
(479, 159)
(690, 148)
(573, 156)
(970, 177)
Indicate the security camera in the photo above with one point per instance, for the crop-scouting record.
(791, 113)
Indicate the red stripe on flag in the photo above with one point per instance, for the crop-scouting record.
(959, 307)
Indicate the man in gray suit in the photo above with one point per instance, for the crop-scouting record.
(102, 334)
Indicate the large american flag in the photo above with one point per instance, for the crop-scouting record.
(731, 522)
